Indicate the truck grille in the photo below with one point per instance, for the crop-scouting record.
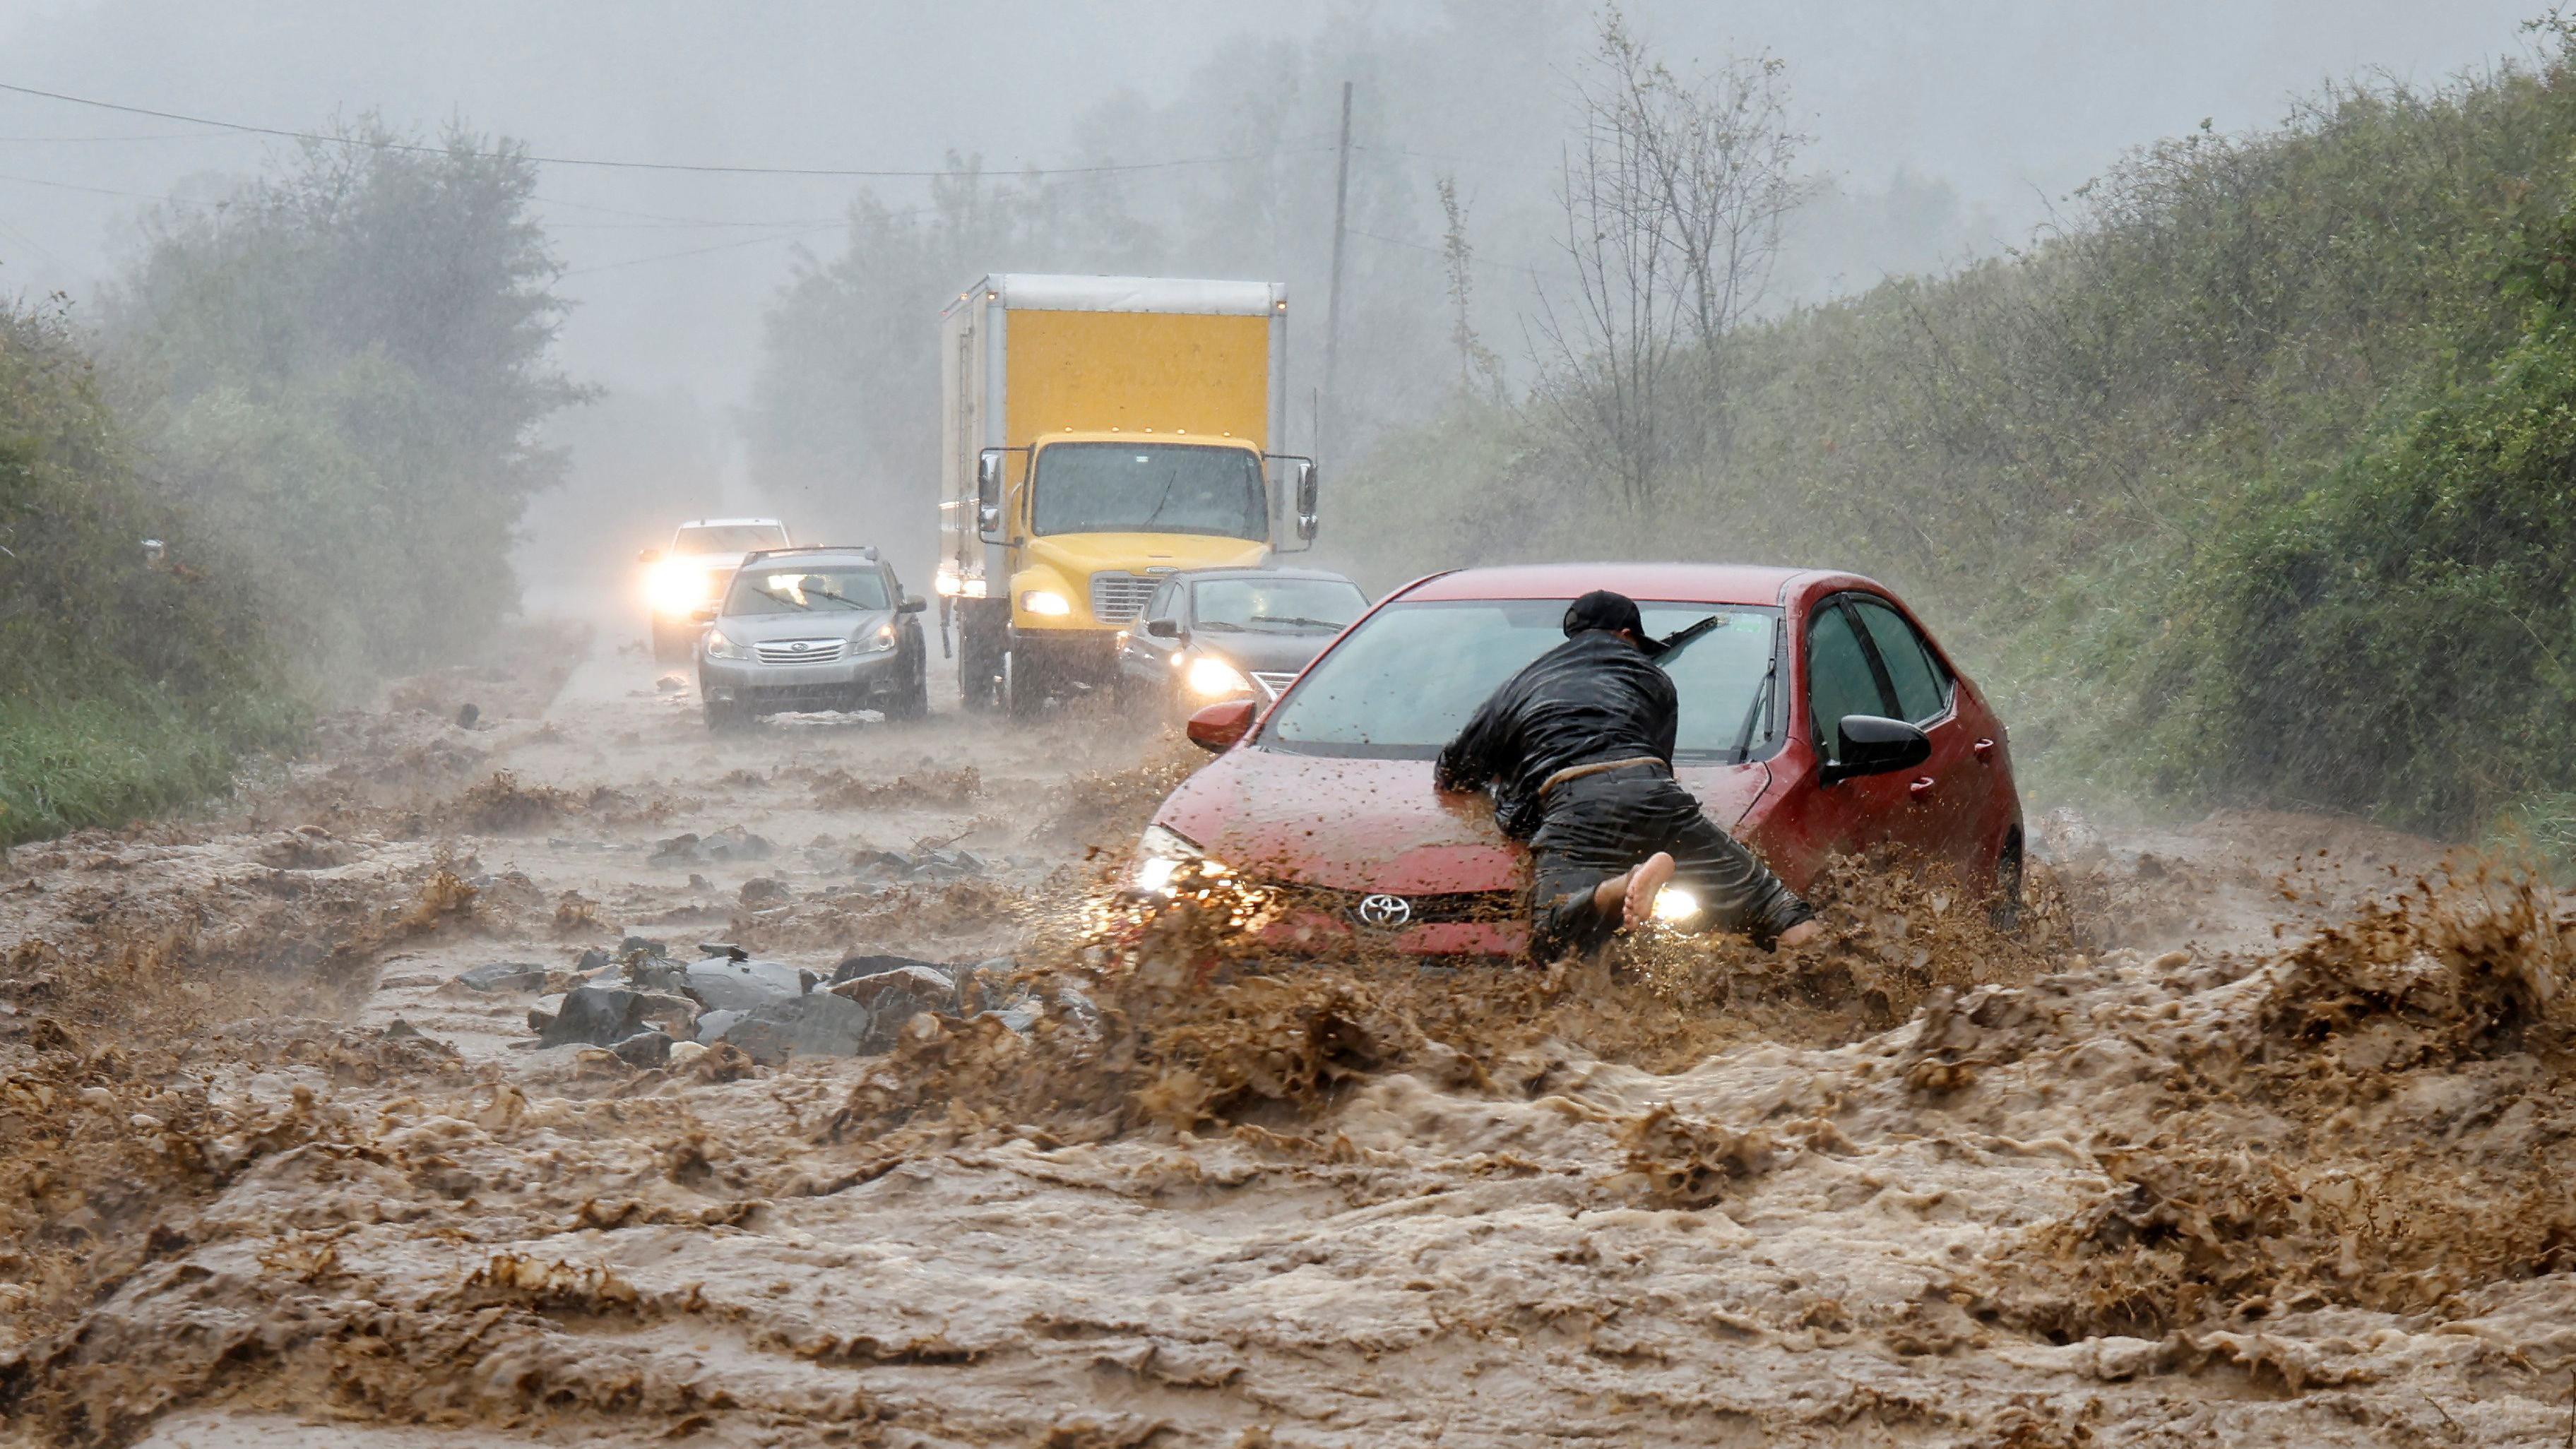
(1117, 598)
(801, 651)
(1273, 685)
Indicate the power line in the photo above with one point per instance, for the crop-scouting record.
(619, 165)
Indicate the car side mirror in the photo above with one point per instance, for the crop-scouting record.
(1306, 489)
(648, 556)
(988, 495)
(912, 604)
(1217, 727)
(1872, 745)
(703, 614)
(1163, 628)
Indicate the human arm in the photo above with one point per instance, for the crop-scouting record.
(1468, 761)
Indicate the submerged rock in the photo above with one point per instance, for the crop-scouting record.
(901, 993)
(648, 1048)
(504, 976)
(817, 1025)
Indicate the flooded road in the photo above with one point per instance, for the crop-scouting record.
(2256, 1134)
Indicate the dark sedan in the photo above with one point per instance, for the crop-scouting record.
(1216, 634)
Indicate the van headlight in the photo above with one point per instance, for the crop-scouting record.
(1160, 854)
(719, 646)
(1212, 678)
(675, 586)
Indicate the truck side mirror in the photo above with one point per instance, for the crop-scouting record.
(988, 494)
(649, 556)
(1163, 628)
(1872, 745)
(1217, 727)
(1306, 516)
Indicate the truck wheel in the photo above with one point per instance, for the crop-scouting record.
(1022, 695)
(977, 663)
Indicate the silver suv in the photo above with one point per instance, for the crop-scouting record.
(812, 628)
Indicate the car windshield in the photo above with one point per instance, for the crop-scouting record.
(1401, 685)
(1277, 606)
(1150, 488)
(729, 538)
(821, 588)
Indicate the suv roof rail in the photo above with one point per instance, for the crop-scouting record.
(866, 551)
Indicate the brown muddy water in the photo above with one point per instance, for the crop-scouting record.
(2256, 1133)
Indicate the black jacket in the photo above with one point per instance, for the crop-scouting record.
(1594, 697)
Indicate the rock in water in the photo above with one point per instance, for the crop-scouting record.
(854, 967)
(729, 985)
(644, 1049)
(817, 1025)
(898, 995)
(592, 1016)
(504, 976)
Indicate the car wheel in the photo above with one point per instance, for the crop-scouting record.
(727, 719)
(913, 700)
(2005, 913)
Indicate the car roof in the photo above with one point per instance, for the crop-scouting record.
(820, 553)
(1696, 582)
(733, 523)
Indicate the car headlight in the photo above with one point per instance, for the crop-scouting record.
(876, 643)
(1674, 905)
(676, 586)
(1047, 602)
(721, 647)
(1160, 854)
(1212, 678)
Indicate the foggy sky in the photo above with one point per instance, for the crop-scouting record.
(2012, 103)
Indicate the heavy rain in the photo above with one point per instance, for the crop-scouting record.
(807, 724)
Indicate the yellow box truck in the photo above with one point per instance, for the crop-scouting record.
(1099, 433)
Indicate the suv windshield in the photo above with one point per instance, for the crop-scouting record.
(729, 538)
(1150, 488)
(1277, 606)
(820, 588)
(1401, 685)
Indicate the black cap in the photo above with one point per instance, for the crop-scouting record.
(1602, 609)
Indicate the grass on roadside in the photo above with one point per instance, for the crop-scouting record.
(73, 764)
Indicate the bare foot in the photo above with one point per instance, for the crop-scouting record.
(1637, 904)
(1803, 932)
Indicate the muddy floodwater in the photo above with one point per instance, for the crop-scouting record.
(2255, 1132)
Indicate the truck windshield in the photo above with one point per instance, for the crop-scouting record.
(1402, 683)
(1150, 488)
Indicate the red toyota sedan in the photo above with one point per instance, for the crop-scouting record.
(1818, 717)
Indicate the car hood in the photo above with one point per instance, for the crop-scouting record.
(1375, 825)
(1265, 652)
(812, 624)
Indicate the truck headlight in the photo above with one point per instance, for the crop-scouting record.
(1212, 678)
(1047, 602)
(1160, 854)
(676, 587)
(876, 643)
(721, 647)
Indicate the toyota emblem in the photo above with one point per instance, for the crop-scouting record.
(1385, 912)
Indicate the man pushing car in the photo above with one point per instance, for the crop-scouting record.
(1578, 747)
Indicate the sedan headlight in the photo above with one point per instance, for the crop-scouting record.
(719, 646)
(1212, 678)
(1675, 906)
(1047, 602)
(1160, 854)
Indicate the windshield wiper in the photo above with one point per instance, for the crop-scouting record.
(1295, 620)
(1753, 713)
(1674, 644)
(1227, 625)
(806, 602)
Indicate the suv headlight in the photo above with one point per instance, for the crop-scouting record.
(1160, 854)
(719, 646)
(876, 642)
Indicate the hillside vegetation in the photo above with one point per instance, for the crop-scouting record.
(2254, 479)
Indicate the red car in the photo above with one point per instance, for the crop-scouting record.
(1818, 718)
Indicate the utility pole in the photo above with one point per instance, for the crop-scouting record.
(1328, 424)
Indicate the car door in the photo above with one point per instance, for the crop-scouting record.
(1945, 791)
(1839, 676)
